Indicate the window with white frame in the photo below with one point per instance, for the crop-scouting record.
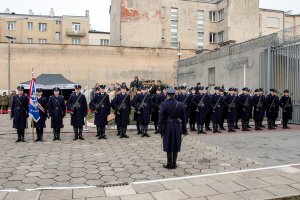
(11, 25)
(213, 16)
(174, 27)
(29, 40)
(29, 26)
(42, 41)
(76, 26)
(200, 29)
(221, 15)
(76, 41)
(221, 36)
(273, 22)
(58, 22)
(213, 37)
(57, 36)
(212, 76)
(42, 27)
(104, 42)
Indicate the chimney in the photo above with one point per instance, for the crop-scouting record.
(7, 10)
(30, 12)
(51, 13)
(87, 13)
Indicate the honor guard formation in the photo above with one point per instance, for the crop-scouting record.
(170, 109)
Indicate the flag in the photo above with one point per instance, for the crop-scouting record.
(33, 103)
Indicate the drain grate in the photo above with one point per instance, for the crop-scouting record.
(114, 185)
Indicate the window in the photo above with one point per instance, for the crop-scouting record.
(29, 40)
(221, 15)
(213, 37)
(58, 22)
(76, 41)
(76, 26)
(163, 34)
(221, 36)
(174, 27)
(11, 25)
(211, 76)
(104, 42)
(273, 22)
(57, 36)
(200, 29)
(42, 27)
(29, 26)
(213, 16)
(42, 41)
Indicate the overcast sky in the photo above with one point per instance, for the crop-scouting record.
(99, 9)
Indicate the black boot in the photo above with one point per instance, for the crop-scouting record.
(222, 126)
(124, 130)
(119, 131)
(273, 124)
(207, 128)
(169, 161)
(80, 133)
(198, 129)
(99, 132)
(217, 128)
(174, 163)
(54, 134)
(243, 126)
(19, 136)
(143, 130)
(261, 125)
(236, 125)
(247, 125)
(75, 133)
(37, 134)
(201, 130)
(103, 133)
(42, 135)
(155, 127)
(231, 127)
(146, 130)
(214, 128)
(23, 135)
(138, 127)
(270, 124)
(58, 134)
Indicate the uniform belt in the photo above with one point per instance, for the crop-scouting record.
(57, 108)
(18, 108)
(173, 120)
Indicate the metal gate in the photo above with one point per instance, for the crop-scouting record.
(280, 69)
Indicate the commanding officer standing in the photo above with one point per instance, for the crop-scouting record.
(244, 102)
(201, 102)
(272, 108)
(19, 113)
(231, 101)
(57, 111)
(172, 125)
(78, 106)
(43, 110)
(287, 109)
(101, 105)
(143, 105)
(216, 106)
(121, 105)
(157, 99)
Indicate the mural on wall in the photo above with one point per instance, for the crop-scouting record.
(240, 63)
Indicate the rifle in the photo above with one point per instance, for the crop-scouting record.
(246, 103)
(100, 104)
(231, 104)
(200, 104)
(122, 105)
(287, 104)
(76, 105)
(187, 96)
(217, 105)
(272, 104)
(142, 105)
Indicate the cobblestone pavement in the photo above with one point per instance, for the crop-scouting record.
(93, 163)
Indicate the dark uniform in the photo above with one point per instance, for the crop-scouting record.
(135, 118)
(192, 114)
(157, 99)
(43, 111)
(186, 101)
(272, 108)
(231, 106)
(224, 113)
(100, 104)
(257, 102)
(19, 114)
(244, 102)
(57, 111)
(201, 101)
(172, 125)
(78, 105)
(208, 114)
(121, 105)
(287, 109)
(143, 106)
(238, 111)
(216, 106)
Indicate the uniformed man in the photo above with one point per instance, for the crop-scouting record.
(43, 111)
(19, 113)
(272, 108)
(192, 114)
(230, 102)
(78, 109)
(208, 114)
(172, 125)
(216, 106)
(135, 118)
(244, 102)
(121, 105)
(57, 111)
(287, 109)
(156, 99)
(224, 113)
(185, 100)
(100, 105)
(4, 103)
(143, 105)
(258, 108)
(238, 108)
(201, 102)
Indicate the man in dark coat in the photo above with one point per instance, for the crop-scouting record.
(57, 112)
(192, 114)
(43, 111)
(216, 106)
(78, 105)
(287, 109)
(238, 109)
(19, 113)
(172, 125)
(201, 102)
(231, 105)
(157, 99)
(185, 100)
(143, 105)
(272, 108)
(245, 108)
(257, 101)
(135, 115)
(100, 104)
(224, 110)
(208, 113)
(121, 105)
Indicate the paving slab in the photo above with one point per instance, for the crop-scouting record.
(277, 180)
(169, 194)
(227, 196)
(88, 192)
(252, 183)
(256, 194)
(198, 191)
(283, 191)
(227, 187)
(23, 195)
(137, 197)
(147, 187)
(56, 194)
(119, 190)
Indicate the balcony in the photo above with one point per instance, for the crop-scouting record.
(78, 33)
